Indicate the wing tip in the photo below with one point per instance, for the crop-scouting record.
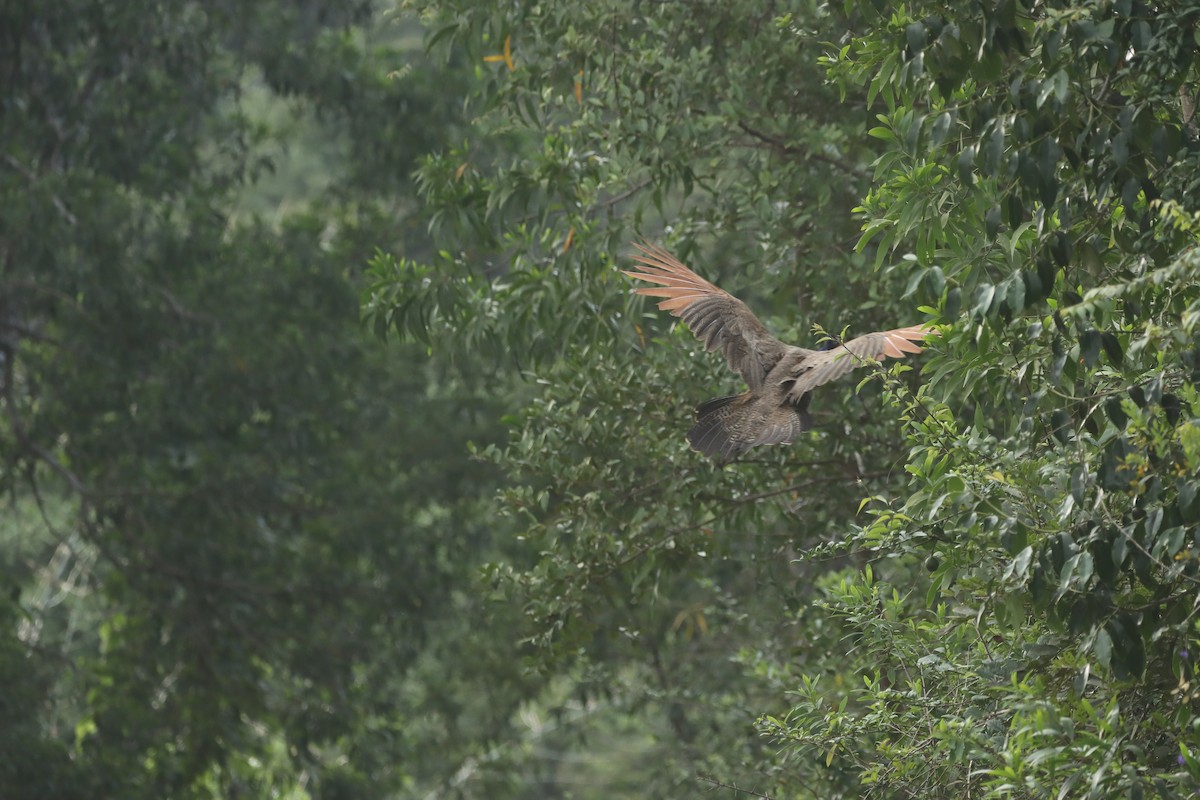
(656, 265)
(903, 341)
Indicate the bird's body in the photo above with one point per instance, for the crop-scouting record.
(728, 426)
(779, 376)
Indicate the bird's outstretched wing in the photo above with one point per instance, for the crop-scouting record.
(716, 317)
(823, 366)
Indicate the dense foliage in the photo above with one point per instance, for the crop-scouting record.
(253, 551)
(982, 586)
(661, 587)
(1041, 170)
(234, 522)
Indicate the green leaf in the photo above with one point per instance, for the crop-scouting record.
(1089, 346)
(1018, 568)
(936, 281)
(966, 163)
(1060, 425)
(1015, 209)
(982, 302)
(1112, 407)
(953, 303)
(914, 281)
(1014, 294)
(1102, 647)
(993, 156)
(1120, 149)
(1128, 651)
(941, 126)
(1057, 85)
(1060, 248)
(916, 36)
(991, 222)
(1112, 348)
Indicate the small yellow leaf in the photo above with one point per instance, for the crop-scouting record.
(579, 88)
(570, 238)
(505, 55)
(829, 755)
(458, 173)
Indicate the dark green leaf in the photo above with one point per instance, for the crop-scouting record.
(1129, 653)
(1034, 293)
(1112, 407)
(953, 303)
(991, 222)
(1120, 549)
(1015, 209)
(916, 36)
(1060, 425)
(982, 302)
(941, 126)
(936, 281)
(1078, 482)
(966, 163)
(1120, 149)
(1014, 294)
(1102, 646)
(993, 156)
(1060, 248)
(1089, 346)
(1112, 348)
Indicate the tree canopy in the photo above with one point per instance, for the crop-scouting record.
(340, 460)
(981, 581)
(227, 551)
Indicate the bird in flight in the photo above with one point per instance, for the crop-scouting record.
(779, 377)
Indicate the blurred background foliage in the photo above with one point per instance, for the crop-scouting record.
(257, 548)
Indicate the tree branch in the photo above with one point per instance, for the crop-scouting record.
(783, 148)
(26, 332)
(33, 180)
(716, 784)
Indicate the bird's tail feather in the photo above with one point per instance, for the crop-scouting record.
(725, 429)
(712, 405)
(712, 434)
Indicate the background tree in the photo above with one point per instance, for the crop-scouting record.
(254, 552)
(236, 527)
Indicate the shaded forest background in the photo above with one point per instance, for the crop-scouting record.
(338, 460)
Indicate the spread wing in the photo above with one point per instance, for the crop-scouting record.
(823, 366)
(716, 317)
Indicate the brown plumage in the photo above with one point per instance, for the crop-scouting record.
(779, 377)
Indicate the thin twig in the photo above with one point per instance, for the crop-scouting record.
(26, 332)
(28, 174)
(21, 434)
(716, 784)
(783, 148)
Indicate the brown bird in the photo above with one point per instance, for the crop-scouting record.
(780, 377)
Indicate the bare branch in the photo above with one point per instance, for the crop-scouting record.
(716, 784)
(33, 179)
(783, 148)
(25, 331)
